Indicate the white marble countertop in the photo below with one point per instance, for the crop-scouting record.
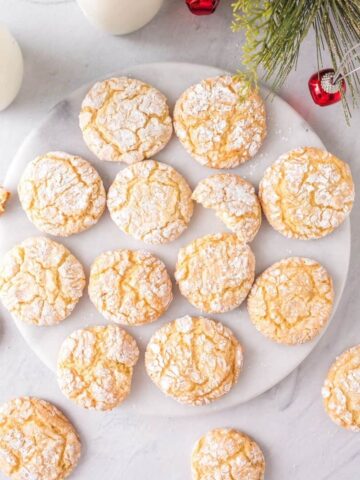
(62, 51)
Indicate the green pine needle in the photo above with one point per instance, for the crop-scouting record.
(275, 29)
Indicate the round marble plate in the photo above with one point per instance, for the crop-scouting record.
(266, 363)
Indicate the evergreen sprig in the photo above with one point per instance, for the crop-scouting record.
(275, 29)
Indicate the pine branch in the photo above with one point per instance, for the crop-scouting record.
(275, 29)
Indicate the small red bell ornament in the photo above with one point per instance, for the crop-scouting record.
(327, 86)
(324, 90)
(202, 7)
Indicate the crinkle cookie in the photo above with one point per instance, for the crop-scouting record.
(62, 194)
(40, 281)
(194, 360)
(4, 197)
(95, 366)
(37, 442)
(130, 287)
(307, 193)
(215, 272)
(125, 120)
(151, 201)
(291, 301)
(220, 122)
(341, 391)
(227, 454)
(234, 201)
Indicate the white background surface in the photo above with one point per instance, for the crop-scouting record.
(62, 51)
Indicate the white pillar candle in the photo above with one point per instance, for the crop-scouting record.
(11, 68)
(120, 17)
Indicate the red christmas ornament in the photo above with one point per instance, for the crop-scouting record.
(324, 90)
(202, 7)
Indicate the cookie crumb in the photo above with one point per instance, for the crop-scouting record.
(4, 197)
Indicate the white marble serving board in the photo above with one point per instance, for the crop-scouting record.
(266, 363)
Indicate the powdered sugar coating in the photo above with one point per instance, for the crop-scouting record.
(215, 272)
(194, 360)
(227, 454)
(341, 390)
(37, 442)
(125, 120)
(130, 287)
(151, 201)
(62, 194)
(307, 193)
(234, 201)
(95, 366)
(220, 122)
(291, 301)
(40, 281)
(4, 197)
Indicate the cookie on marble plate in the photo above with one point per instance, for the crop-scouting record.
(220, 121)
(62, 194)
(307, 193)
(130, 287)
(41, 281)
(125, 120)
(194, 360)
(291, 301)
(234, 201)
(215, 272)
(151, 201)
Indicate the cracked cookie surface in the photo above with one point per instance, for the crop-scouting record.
(130, 287)
(217, 127)
(215, 272)
(40, 281)
(62, 194)
(125, 120)
(4, 197)
(95, 366)
(234, 201)
(227, 454)
(291, 301)
(307, 193)
(341, 390)
(194, 360)
(36, 441)
(151, 201)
